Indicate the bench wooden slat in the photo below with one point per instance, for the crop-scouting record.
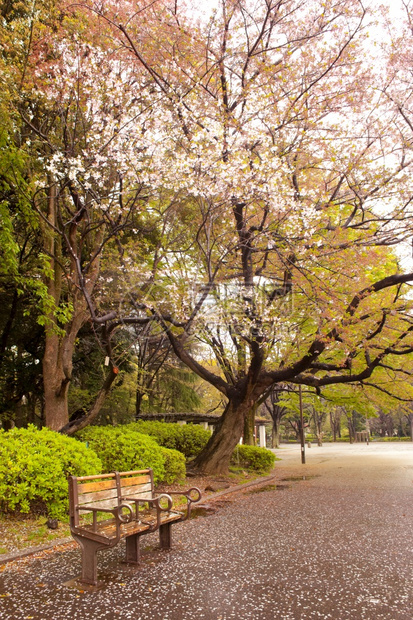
(135, 480)
(94, 477)
(108, 527)
(87, 498)
(132, 498)
(141, 491)
(112, 475)
(108, 503)
(90, 487)
(137, 490)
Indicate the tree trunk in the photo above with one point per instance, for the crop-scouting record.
(5, 335)
(351, 429)
(58, 364)
(277, 413)
(333, 426)
(77, 425)
(55, 383)
(138, 404)
(60, 342)
(216, 456)
(275, 434)
(249, 427)
(319, 433)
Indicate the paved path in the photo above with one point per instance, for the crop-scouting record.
(338, 544)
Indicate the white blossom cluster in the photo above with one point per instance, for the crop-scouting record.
(295, 132)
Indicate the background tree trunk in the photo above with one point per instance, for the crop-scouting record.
(275, 434)
(56, 385)
(57, 372)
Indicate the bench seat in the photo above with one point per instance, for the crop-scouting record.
(107, 528)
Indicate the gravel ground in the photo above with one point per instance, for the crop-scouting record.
(338, 544)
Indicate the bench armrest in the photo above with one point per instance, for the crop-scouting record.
(116, 511)
(192, 496)
(156, 503)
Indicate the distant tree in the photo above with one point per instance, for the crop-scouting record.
(409, 417)
(336, 414)
(355, 424)
(277, 412)
(163, 383)
(319, 412)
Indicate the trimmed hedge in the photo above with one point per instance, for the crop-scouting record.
(175, 470)
(34, 465)
(252, 457)
(123, 449)
(189, 439)
(391, 439)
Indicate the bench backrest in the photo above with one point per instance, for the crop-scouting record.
(107, 490)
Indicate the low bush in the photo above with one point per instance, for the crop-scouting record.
(121, 448)
(253, 458)
(175, 470)
(189, 439)
(391, 439)
(34, 465)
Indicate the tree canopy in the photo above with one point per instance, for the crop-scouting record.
(236, 180)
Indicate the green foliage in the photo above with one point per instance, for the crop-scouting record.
(391, 439)
(8, 245)
(189, 439)
(34, 465)
(175, 470)
(124, 449)
(89, 372)
(178, 384)
(252, 457)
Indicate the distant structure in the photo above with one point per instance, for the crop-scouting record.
(207, 420)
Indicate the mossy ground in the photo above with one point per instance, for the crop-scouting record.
(18, 532)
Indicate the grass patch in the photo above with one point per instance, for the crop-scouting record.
(238, 475)
(19, 532)
(268, 487)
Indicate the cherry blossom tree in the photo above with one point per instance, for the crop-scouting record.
(259, 142)
(274, 127)
(81, 111)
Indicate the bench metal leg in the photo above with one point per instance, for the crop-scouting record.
(133, 554)
(165, 535)
(89, 559)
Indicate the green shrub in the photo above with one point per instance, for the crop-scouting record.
(252, 457)
(34, 465)
(189, 439)
(122, 449)
(391, 439)
(175, 470)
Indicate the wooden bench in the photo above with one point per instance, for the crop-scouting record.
(133, 508)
